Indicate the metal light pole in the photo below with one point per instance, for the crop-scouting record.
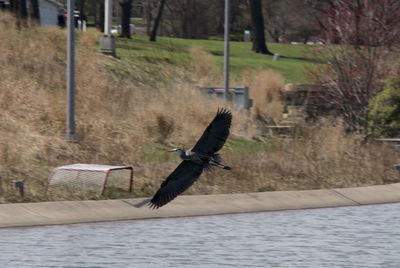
(107, 17)
(226, 50)
(70, 135)
(107, 41)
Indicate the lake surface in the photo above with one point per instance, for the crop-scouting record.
(366, 236)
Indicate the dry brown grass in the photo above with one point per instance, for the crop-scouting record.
(126, 121)
(205, 72)
(315, 157)
(326, 157)
(266, 92)
(116, 120)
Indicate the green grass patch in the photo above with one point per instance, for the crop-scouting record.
(175, 51)
(242, 146)
(139, 22)
(158, 152)
(139, 49)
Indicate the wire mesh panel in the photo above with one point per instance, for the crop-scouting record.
(94, 178)
(84, 180)
(117, 178)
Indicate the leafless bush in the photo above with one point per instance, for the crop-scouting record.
(266, 90)
(361, 41)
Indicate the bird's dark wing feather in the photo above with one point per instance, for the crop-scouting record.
(182, 178)
(215, 134)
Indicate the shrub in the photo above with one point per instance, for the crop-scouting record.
(266, 90)
(384, 115)
(360, 39)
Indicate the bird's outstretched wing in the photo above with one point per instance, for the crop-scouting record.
(215, 134)
(182, 178)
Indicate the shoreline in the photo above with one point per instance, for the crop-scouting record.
(72, 212)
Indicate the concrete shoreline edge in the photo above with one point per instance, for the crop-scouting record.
(71, 212)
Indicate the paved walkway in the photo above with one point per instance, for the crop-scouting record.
(67, 212)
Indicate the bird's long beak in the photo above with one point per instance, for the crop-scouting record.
(169, 151)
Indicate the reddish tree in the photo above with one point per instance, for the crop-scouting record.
(360, 38)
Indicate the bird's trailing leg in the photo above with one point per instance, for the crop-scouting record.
(215, 163)
(142, 203)
(201, 157)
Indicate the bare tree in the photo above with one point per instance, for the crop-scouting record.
(274, 18)
(189, 18)
(257, 20)
(80, 4)
(35, 10)
(361, 38)
(126, 8)
(19, 8)
(100, 16)
(148, 12)
(157, 21)
(196, 18)
(288, 20)
(22, 11)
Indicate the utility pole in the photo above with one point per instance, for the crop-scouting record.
(70, 134)
(107, 41)
(107, 17)
(226, 50)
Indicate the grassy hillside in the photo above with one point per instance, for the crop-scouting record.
(176, 51)
(130, 109)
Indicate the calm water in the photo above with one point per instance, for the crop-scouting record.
(367, 236)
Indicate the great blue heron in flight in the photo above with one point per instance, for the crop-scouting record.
(202, 156)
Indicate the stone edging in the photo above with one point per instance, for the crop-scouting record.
(68, 212)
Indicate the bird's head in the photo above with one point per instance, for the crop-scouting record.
(175, 150)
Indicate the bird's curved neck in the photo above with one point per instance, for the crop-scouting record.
(182, 154)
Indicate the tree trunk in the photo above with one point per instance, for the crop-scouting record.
(100, 17)
(14, 6)
(257, 21)
(81, 10)
(19, 8)
(35, 10)
(149, 16)
(126, 7)
(22, 12)
(157, 21)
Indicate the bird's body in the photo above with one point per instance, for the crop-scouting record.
(201, 157)
(206, 160)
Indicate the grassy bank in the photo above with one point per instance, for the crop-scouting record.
(129, 109)
(175, 51)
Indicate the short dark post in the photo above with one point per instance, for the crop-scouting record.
(20, 185)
